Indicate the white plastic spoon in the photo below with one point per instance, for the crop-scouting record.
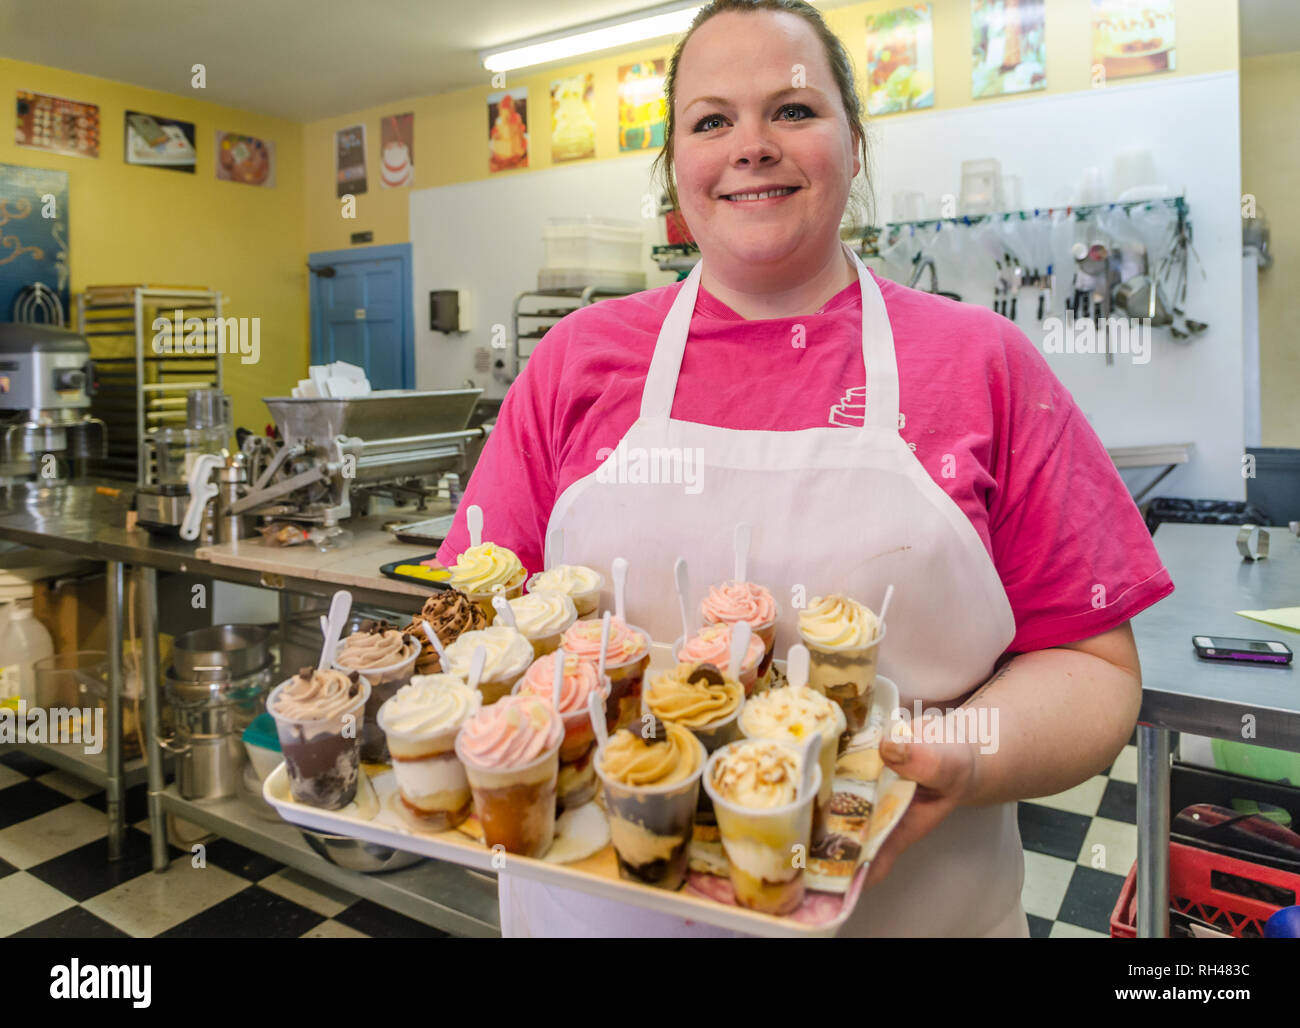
(476, 663)
(742, 550)
(604, 645)
(884, 604)
(504, 613)
(557, 683)
(596, 709)
(436, 643)
(618, 570)
(740, 634)
(555, 547)
(474, 519)
(682, 578)
(811, 757)
(796, 666)
(340, 608)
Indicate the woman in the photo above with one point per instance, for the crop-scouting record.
(967, 477)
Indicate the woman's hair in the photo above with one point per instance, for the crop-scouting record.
(836, 56)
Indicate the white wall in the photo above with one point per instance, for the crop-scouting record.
(486, 236)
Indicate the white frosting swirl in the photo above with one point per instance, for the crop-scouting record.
(429, 705)
(570, 579)
(543, 613)
(508, 653)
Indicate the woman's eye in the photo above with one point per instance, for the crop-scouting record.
(707, 122)
(800, 112)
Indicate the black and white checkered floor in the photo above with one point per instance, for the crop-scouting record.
(56, 881)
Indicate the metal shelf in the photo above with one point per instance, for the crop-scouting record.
(446, 896)
(70, 757)
(584, 295)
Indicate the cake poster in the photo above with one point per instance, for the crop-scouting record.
(641, 106)
(508, 129)
(1132, 37)
(245, 159)
(900, 60)
(34, 238)
(397, 151)
(159, 142)
(1007, 52)
(57, 125)
(350, 160)
(573, 118)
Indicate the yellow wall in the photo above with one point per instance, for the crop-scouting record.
(1270, 154)
(451, 129)
(133, 224)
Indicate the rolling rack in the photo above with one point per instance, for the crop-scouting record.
(556, 303)
(139, 390)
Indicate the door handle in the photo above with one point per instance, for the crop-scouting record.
(325, 271)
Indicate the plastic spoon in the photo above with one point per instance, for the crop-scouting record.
(340, 608)
(810, 760)
(884, 604)
(742, 550)
(436, 643)
(474, 519)
(504, 613)
(476, 663)
(557, 683)
(796, 666)
(596, 710)
(740, 634)
(618, 569)
(682, 578)
(555, 547)
(604, 645)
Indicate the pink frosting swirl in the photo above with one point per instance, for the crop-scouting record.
(580, 681)
(512, 732)
(626, 644)
(712, 645)
(730, 602)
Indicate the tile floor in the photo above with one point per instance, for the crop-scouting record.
(55, 879)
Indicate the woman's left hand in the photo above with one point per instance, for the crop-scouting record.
(943, 773)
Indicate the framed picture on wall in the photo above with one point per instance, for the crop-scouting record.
(245, 159)
(1008, 54)
(350, 160)
(397, 151)
(573, 118)
(508, 129)
(159, 142)
(1132, 37)
(900, 60)
(33, 235)
(55, 124)
(642, 107)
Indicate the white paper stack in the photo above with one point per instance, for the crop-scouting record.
(338, 380)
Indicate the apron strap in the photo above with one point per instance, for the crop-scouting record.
(877, 352)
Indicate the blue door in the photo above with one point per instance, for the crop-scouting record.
(361, 312)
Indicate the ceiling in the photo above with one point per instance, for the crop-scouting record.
(296, 59)
(1269, 27)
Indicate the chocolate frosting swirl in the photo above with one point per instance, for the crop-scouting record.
(450, 613)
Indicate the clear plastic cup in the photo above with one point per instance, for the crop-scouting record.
(431, 780)
(576, 783)
(384, 682)
(513, 589)
(515, 806)
(765, 631)
(761, 844)
(549, 642)
(322, 757)
(586, 603)
(847, 674)
(748, 676)
(713, 735)
(497, 681)
(651, 826)
(623, 704)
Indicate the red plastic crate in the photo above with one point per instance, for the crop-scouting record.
(1235, 896)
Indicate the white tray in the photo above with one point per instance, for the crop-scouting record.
(820, 915)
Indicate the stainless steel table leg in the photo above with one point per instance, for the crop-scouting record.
(1153, 833)
(149, 670)
(114, 787)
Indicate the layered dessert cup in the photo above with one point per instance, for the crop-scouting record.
(508, 655)
(626, 661)
(542, 617)
(731, 602)
(576, 783)
(581, 584)
(386, 656)
(651, 785)
(712, 645)
(486, 571)
(421, 722)
(843, 639)
(450, 613)
(318, 716)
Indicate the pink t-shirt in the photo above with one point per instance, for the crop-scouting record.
(979, 407)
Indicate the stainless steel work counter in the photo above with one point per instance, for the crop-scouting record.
(77, 520)
(1182, 693)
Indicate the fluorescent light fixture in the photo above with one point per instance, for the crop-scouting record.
(667, 20)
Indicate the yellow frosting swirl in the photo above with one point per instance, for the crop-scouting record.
(635, 761)
(838, 621)
(486, 568)
(673, 697)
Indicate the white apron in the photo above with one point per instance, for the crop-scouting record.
(834, 510)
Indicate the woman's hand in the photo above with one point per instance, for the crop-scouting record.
(943, 773)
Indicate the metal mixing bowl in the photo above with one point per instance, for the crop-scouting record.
(357, 854)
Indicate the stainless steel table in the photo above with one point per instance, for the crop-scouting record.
(77, 520)
(1182, 693)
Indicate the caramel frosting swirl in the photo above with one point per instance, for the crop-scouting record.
(666, 760)
(450, 613)
(693, 695)
(316, 695)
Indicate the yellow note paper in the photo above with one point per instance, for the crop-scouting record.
(1278, 617)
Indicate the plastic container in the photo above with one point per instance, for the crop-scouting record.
(263, 746)
(23, 642)
(847, 674)
(981, 186)
(606, 244)
(431, 780)
(599, 278)
(322, 760)
(515, 806)
(384, 682)
(748, 676)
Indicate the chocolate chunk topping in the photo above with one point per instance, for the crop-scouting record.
(306, 673)
(707, 673)
(353, 677)
(653, 730)
(368, 625)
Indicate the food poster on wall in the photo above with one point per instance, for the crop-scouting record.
(1132, 37)
(397, 151)
(57, 125)
(508, 129)
(350, 160)
(900, 60)
(245, 159)
(642, 107)
(159, 142)
(573, 118)
(1008, 53)
(33, 241)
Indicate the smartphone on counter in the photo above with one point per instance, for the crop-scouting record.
(1250, 651)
